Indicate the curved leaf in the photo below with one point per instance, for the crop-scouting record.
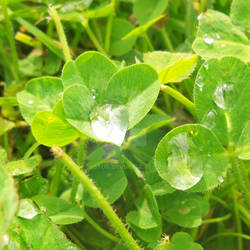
(190, 156)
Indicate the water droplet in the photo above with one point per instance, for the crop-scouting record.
(94, 97)
(209, 120)
(206, 64)
(5, 241)
(224, 96)
(209, 40)
(220, 179)
(185, 167)
(200, 85)
(27, 210)
(30, 102)
(218, 36)
(199, 17)
(110, 124)
(16, 172)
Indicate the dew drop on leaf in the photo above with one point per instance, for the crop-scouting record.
(30, 102)
(209, 120)
(209, 40)
(109, 124)
(184, 170)
(224, 95)
(206, 64)
(27, 210)
(218, 36)
(199, 17)
(220, 179)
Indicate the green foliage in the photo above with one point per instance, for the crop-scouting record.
(218, 37)
(139, 135)
(8, 201)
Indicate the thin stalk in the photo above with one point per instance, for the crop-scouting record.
(56, 179)
(10, 35)
(74, 189)
(93, 37)
(99, 198)
(237, 218)
(181, 98)
(239, 235)
(218, 219)
(189, 18)
(148, 41)
(108, 33)
(166, 40)
(6, 143)
(61, 34)
(31, 150)
(98, 228)
(73, 237)
(97, 30)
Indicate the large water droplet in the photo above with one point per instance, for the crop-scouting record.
(224, 96)
(210, 119)
(209, 40)
(27, 210)
(110, 124)
(185, 167)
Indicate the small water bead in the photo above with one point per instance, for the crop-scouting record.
(199, 17)
(218, 36)
(93, 91)
(220, 179)
(208, 40)
(224, 96)
(206, 64)
(210, 119)
(30, 102)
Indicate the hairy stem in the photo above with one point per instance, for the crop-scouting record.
(99, 198)
(61, 34)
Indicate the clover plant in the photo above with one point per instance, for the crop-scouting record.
(134, 133)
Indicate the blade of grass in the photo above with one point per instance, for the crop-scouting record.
(45, 39)
(10, 35)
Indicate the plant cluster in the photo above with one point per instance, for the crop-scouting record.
(125, 124)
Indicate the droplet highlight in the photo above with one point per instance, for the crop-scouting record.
(208, 40)
(224, 96)
(110, 124)
(185, 167)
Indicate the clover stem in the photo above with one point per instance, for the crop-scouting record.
(242, 236)
(99, 198)
(149, 43)
(218, 219)
(10, 36)
(237, 218)
(56, 179)
(179, 97)
(166, 40)
(189, 18)
(31, 150)
(61, 34)
(98, 228)
(108, 30)
(97, 31)
(93, 37)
